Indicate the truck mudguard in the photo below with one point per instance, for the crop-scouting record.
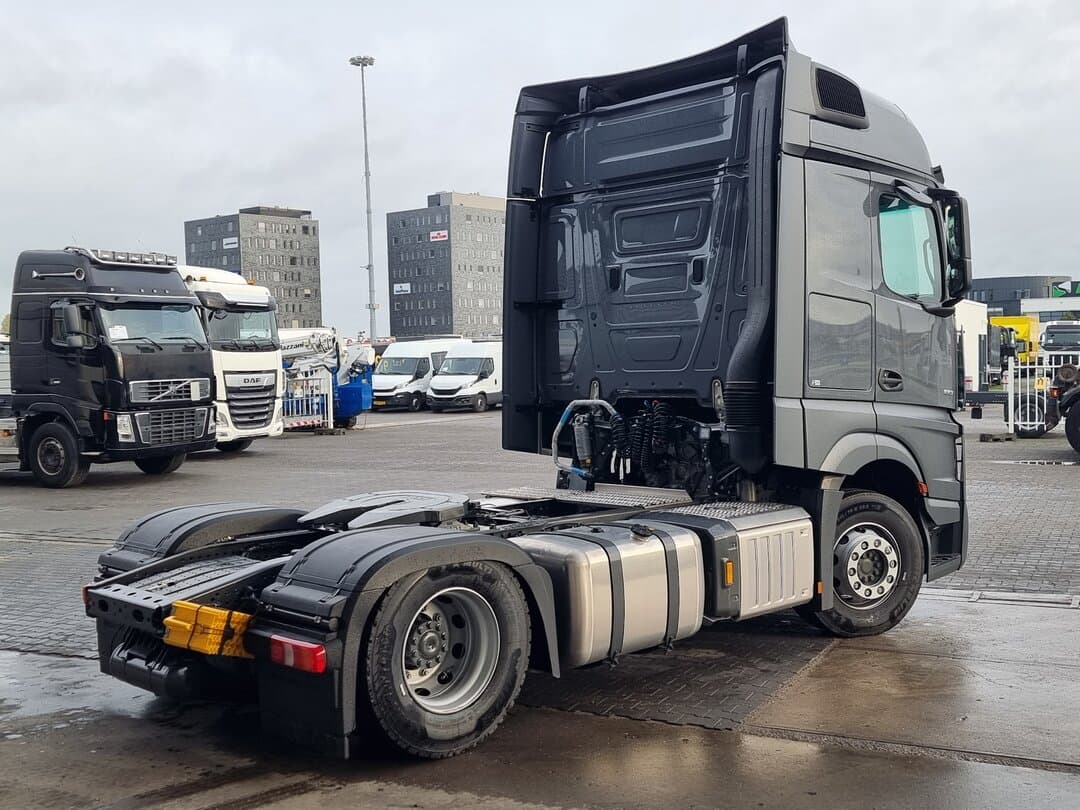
(338, 582)
(183, 528)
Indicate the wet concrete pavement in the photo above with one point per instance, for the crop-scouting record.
(963, 705)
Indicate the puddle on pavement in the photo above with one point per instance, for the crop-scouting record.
(32, 685)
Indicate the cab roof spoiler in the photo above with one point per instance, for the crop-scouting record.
(733, 59)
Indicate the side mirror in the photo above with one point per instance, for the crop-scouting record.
(958, 244)
(76, 342)
(72, 319)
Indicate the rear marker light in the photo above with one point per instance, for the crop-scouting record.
(302, 655)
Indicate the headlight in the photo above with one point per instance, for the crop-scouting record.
(220, 419)
(125, 432)
(211, 427)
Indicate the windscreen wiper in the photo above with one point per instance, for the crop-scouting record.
(185, 337)
(140, 337)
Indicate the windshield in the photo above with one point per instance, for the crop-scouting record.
(239, 330)
(469, 366)
(152, 323)
(397, 365)
(1068, 335)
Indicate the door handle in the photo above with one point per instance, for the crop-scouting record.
(889, 380)
(614, 277)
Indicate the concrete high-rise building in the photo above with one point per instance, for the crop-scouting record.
(275, 247)
(445, 266)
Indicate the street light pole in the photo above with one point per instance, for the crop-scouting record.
(366, 62)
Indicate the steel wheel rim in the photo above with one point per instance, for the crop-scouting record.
(1031, 416)
(451, 650)
(866, 565)
(51, 456)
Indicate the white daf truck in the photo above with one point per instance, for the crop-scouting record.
(242, 329)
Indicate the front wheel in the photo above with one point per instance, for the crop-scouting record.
(416, 403)
(446, 657)
(54, 457)
(1072, 427)
(160, 465)
(235, 446)
(1031, 422)
(878, 564)
(480, 404)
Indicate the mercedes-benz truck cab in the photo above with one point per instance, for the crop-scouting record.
(241, 326)
(404, 373)
(469, 377)
(108, 362)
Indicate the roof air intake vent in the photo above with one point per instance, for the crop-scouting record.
(839, 99)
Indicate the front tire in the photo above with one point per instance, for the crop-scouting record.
(480, 404)
(446, 657)
(416, 403)
(878, 565)
(161, 465)
(1031, 419)
(54, 457)
(235, 446)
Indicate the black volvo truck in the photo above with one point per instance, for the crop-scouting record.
(729, 284)
(107, 361)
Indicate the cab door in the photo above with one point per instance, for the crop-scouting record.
(915, 348)
(76, 376)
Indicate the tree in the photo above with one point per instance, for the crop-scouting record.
(5, 324)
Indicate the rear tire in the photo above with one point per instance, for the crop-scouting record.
(480, 404)
(54, 457)
(161, 465)
(876, 539)
(446, 657)
(1072, 427)
(235, 446)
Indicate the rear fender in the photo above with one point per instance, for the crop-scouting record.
(342, 578)
(184, 528)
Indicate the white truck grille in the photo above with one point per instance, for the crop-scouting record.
(251, 397)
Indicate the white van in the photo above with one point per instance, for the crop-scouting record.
(470, 377)
(404, 373)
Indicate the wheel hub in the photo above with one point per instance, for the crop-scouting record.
(867, 565)
(51, 456)
(451, 651)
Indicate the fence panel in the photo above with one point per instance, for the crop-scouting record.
(309, 400)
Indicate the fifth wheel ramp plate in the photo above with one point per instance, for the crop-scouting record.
(614, 497)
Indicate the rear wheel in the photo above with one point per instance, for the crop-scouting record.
(878, 564)
(54, 457)
(446, 657)
(1072, 427)
(480, 404)
(235, 446)
(161, 465)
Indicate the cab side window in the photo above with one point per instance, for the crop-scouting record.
(910, 254)
(437, 359)
(423, 367)
(59, 332)
(488, 367)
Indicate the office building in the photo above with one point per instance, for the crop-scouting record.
(275, 247)
(445, 266)
(1002, 295)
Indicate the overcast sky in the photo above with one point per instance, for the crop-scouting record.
(121, 120)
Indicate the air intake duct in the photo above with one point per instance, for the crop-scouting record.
(747, 403)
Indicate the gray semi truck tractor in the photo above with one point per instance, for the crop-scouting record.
(728, 293)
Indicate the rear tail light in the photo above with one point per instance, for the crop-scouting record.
(302, 655)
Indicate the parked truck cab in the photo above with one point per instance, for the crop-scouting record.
(241, 326)
(729, 284)
(108, 362)
(469, 377)
(405, 370)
